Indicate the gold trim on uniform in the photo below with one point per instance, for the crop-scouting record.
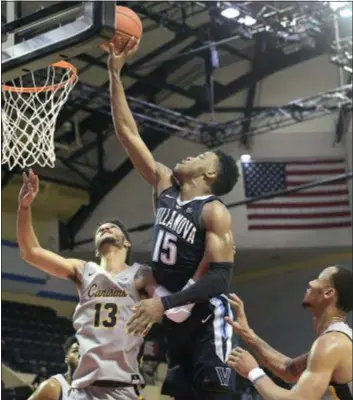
(333, 393)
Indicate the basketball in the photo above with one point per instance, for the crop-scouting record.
(127, 24)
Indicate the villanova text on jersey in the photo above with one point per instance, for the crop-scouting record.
(178, 238)
(177, 222)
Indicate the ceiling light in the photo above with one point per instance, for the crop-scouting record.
(249, 21)
(245, 158)
(346, 12)
(230, 13)
(335, 5)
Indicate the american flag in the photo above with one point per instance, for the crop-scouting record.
(321, 207)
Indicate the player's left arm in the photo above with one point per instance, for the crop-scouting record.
(314, 382)
(219, 255)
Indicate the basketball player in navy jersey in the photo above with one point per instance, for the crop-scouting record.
(325, 373)
(57, 387)
(192, 235)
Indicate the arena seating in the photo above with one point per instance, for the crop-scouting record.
(19, 393)
(33, 336)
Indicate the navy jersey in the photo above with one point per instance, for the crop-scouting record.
(178, 238)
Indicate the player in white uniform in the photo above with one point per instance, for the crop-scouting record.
(325, 373)
(108, 367)
(57, 387)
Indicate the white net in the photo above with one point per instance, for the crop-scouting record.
(30, 108)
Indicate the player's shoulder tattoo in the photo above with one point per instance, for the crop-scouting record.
(143, 272)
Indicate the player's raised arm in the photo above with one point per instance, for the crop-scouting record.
(327, 352)
(219, 254)
(125, 126)
(286, 368)
(30, 249)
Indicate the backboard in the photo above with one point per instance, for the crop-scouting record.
(35, 34)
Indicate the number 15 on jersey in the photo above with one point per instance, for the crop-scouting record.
(165, 248)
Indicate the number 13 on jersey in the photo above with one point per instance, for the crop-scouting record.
(165, 248)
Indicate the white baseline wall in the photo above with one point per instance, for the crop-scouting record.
(17, 276)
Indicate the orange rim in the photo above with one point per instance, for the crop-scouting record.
(59, 64)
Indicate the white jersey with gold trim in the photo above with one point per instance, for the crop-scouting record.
(107, 352)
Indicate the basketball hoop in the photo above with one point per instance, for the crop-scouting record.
(31, 105)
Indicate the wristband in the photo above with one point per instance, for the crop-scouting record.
(189, 283)
(161, 291)
(256, 374)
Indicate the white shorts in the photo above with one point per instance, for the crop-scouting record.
(103, 393)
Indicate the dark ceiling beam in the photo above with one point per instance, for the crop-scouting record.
(178, 27)
(226, 109)
(184, 110)
(155, 84)
(74, 169)
(167, 67)
(273, 61)
(260, 45)
(94, 143)
(97, 123)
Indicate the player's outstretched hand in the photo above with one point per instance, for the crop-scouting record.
(242, 361)
(240, 325)
(29, 189)
(117, 60)
(147, 312)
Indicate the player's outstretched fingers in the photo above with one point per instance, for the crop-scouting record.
(147, 329)
(234, 324)
(236, 302)
(233, 359)
(34, 180)
(238, 350)
(131, 47)
(136, 324)
(131, 43)
(112, 51)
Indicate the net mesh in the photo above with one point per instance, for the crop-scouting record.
(30, 108)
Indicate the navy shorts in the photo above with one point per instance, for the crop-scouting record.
(197, 350)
